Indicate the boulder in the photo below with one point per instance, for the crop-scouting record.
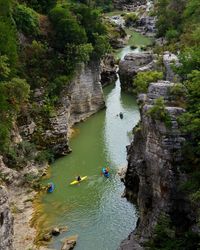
(47, 237)
(55, 231)
(69, 242)
(132, 64)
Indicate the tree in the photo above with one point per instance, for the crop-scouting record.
(190, 121)
(26, 20)
(13, 94)
(8, 42)
(41, 6)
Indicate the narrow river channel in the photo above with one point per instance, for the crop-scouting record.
(94, 209)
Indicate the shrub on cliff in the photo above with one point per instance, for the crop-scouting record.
(8, 43)
(26, 20)
(67, 28)
(131, 19)
(41, 6)
(13, 94)
(172, 11)
(165, 237)
(159, 112)
(143, 79)
(178, 94)
(190, 121)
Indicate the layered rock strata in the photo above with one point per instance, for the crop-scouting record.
(153, 175)
(79, 100)
(6, 222)
(170, 60)
(108, 70)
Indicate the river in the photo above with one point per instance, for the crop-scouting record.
(94, 209)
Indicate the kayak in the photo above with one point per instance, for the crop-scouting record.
(104, 173)
(51, 189)
(76, 182)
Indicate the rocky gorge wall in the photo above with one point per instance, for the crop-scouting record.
(6, 222)
(153, 175)
(79, 100)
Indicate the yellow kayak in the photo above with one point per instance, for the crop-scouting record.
(76, 182)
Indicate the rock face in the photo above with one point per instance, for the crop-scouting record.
(86, 95)
(108, 70)
(6, 222)
(170, 59)
(147, 25)
(79, 100)
(131, 65)
(153, 175)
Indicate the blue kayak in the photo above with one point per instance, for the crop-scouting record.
(106, 174)
(51, 188)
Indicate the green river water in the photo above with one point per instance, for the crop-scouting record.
(94, 209)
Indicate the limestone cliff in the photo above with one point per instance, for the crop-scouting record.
(153, 175)
(108, 70)
(170, 59)
(6, 222)
(79, 99)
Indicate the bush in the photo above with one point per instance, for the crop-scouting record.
(178, 93)
(143, 79)
(67, 28)
(26, 20)
(41, 6)
(165, 238)
(190, 121)
(131, 19)
(172, 34)
(44, 156)
(189, 61)
(159, 112)
(18, 155)
(101, 46)
(4, 67)
(8, 43)
(13, 94)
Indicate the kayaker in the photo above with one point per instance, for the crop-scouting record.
(78, 178)
(106, 171)
(121, 115)
(50, 187)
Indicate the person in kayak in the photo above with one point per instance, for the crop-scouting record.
(78, 178)
(50, 187)
(106, 171)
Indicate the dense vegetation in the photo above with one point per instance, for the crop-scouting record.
(182, 31)
(42, 43)
(179, 23)
(143, 79)
(165, 237)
